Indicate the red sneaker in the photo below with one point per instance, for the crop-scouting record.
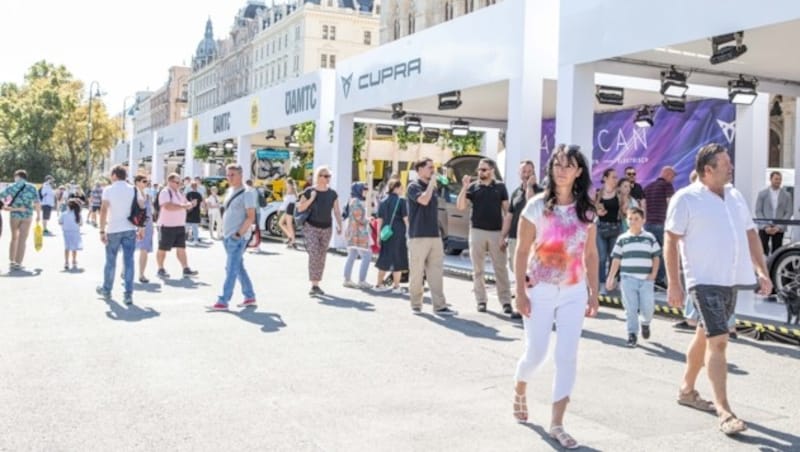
(248, 302)
(219, 306)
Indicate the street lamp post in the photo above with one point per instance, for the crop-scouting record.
(125, 139)
(89, 133)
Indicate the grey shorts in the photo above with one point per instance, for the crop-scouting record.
(715, 305)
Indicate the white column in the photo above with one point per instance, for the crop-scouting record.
(243, 156)
(157, 166)
(795, 230)
(490, 144)
(339, 156)
(524, 125)
(752, 148)
(190, 165)
(132, 165)
(575, 107)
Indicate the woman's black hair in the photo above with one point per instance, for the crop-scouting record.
(580, 188)
(75, 206)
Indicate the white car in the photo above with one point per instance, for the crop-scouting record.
(268, 219)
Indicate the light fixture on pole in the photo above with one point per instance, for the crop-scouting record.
(673, 83)
(213, 148)
(384, 130)
(430, 134)
(228, 145)
(459, 127)
(397, 110)
(413, 124)
(676, 104)
(742, 91)
(270, 135)
(89, 131)
(609, 95)
(450, 100)
(721, 54)
(644, 117)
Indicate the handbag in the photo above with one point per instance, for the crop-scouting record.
(300, 218)
(386, 231)
(138, 214)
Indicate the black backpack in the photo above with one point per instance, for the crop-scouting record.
(156, 205)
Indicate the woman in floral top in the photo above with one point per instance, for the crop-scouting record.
(357, 235)
(556, 244)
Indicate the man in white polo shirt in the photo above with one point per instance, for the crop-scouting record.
(120, 233)
(719, 246)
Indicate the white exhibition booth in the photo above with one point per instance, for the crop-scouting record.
(514, 42)
(168, 140)
(245, 120)
(634, 38)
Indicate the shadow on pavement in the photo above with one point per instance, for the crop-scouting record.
(76, 271)
(23, 273)
(263, 253)
(538, 429)
(788, 440)
(269, 322)
(337, 302)
(186, 283)
(468, 328)
(785, 350)
(149, 287)
(603, 315)
(506, 317)
(131, 313)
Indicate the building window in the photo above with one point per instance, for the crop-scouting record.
(323, 63)
(469, 6)
(333, 32)
(296, 66)
(378, 10)
(368, 38)
(286, 40)
(333, 62)
(448, 10)
(396, 29)
(411, 23)
(285, 66)
(297, 33)
(324, 32)
(279, 43)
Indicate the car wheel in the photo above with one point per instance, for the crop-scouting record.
(786, 270)
(271, 226)
(449, 250)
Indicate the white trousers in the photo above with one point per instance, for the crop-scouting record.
(566, 305)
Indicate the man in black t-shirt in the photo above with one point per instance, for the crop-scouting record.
(519, 198)
(425, 248)
(637, 191)
(193, 214)
(489, 199)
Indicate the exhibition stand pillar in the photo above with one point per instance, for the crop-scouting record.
(243, 156)
(157, 166)
(752, 141)
(575, 107)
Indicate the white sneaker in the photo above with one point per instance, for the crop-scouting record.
(382, 288)
(398, 291)
(364, 285)
(350, 284)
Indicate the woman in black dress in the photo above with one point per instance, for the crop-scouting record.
(393, 256)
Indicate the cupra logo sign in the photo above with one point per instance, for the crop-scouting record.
(380, 76)
(728, 128)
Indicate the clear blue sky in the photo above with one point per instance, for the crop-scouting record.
(126, 46)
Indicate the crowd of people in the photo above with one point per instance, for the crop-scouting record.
(556, 242)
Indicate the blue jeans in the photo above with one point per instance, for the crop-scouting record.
(195, 229)
(690, 312)
(658, 231)
(127, 241)
(234, 268)
(366, 258)
(638, 298)
(604, 249)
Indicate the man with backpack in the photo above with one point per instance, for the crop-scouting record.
(172, 225)
(21, 199)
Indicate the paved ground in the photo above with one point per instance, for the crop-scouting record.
(350, 372)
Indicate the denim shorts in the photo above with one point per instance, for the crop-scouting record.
(715, 304)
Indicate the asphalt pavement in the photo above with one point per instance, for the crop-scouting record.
(351, 371)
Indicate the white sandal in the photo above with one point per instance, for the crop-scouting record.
(521, 414)
(566, 440)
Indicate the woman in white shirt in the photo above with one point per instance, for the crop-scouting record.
(286, 222)
(214, 214)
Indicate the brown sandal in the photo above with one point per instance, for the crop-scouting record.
(693, 400)
(520, 408)
(732, 425)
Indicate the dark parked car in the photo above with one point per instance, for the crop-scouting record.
(454, 223)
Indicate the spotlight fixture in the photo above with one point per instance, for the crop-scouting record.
(742, 91)
(397, 110)
(459, 127)
(677, 104)
(413, 124)
(291, 142)
(726, 53)
(430, 134)
(228, 145)
(609, 95)
(213, 147)
(776, 109)
(383, 130)
(450, 101)
(644, 117)
(270, 135)
(673, 83)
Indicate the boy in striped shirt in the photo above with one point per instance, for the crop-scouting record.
(636, 256)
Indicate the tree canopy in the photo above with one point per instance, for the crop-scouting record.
(43, 125)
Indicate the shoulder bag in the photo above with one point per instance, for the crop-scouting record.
(386, 231)
(300, 218)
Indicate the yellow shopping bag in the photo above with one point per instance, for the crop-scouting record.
(38, 236)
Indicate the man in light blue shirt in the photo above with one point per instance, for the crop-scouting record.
(240, 214)
(48, 201)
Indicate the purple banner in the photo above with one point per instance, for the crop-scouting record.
(673, 140)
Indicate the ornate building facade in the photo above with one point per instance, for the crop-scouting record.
(404, 17)
(269, 44)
